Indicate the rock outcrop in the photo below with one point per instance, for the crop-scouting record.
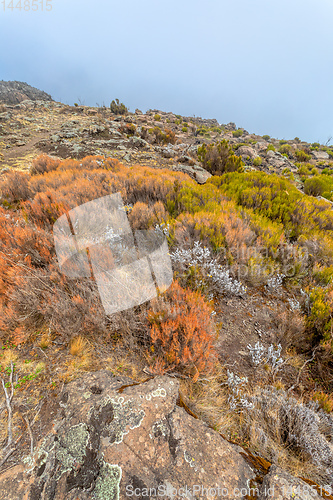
(114, 439)
(16, 92)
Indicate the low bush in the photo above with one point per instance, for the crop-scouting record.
(42, 164)
(118, 108)
(219, 157)
(182, 332)
(302, 155)
(14, 187)
(238, 133)
(318, 186)
(286, 149)
(257, 161)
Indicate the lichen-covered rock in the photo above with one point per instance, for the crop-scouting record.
(320, 155)
(113, 439)
(245, 151)
(279, 485)
(197, 173)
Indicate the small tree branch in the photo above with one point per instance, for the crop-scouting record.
(9, 398)
(302, 368)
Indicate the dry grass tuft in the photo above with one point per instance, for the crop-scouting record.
(80, 347)
(6, 357)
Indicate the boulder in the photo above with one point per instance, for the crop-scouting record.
(277, 160)
(197, 173)
(113, 439)
(279, 485)
(245, 151)
(320, 155)
(231, 126)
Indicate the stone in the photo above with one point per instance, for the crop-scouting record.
(197, 173)
(279, 485)
(113, 437)
(231, 126)
(320, 155)
(245, 151)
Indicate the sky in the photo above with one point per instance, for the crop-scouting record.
(266, 65)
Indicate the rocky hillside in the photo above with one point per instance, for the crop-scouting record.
(224, 381)
(16, 92)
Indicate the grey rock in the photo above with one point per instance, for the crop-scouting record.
(5, 116)
(137, 142)
(277, 160)
(197, 173)
(279, 485)
(167, 152)
(111, 437)
(14, 92)
(320, 155)
(230, 126)
(245, 151)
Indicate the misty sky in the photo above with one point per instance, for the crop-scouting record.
(266, 65)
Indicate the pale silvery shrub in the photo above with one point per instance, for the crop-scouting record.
(236, 399)
(294, 304)
(256, 352)
(259, 354)
(163, 228)
(274, 283)
(201, 257)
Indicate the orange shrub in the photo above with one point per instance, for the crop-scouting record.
(44, 163)
(182, 332)
(143, 217)
(14, 187)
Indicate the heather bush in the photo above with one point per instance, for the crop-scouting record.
(257, 161)
(286, 149)
(283, 428)
(128, 128)
(219, 157)
(14, 187)
(321, 185)
(118, 108)
(302, 155)
(166, 137)
(182, 332)
(42, 164)
(237, 133)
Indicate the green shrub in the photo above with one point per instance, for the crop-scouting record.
(118, 108)
(157, 118)
(285, 149)
(219, 157)
(302, 155)
(303, 170)
(238, 133)
(283, 141)
(266, 137)
(184, 129)
(270, 147)
(204, 131)
(257, 161)
(319, 185)
(160, 137)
